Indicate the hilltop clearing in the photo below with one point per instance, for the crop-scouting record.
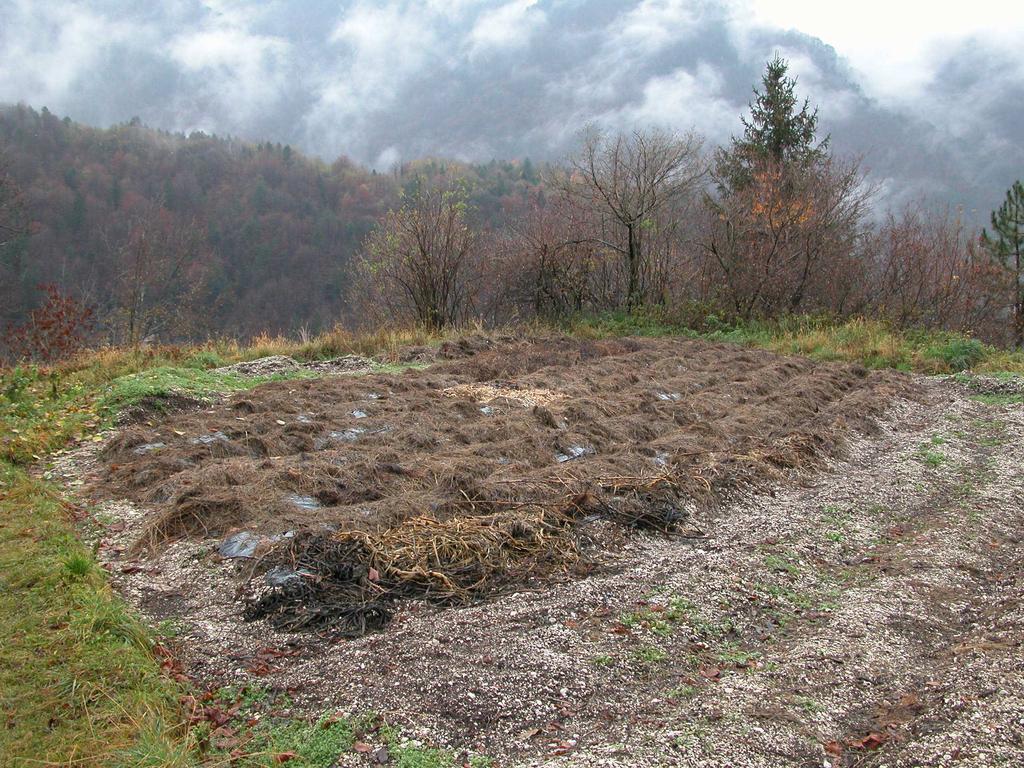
(594, 553)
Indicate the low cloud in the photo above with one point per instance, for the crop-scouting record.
(506, 27)
(475, 79)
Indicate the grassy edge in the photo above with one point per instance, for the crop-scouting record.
(867, 342)
(79, 683)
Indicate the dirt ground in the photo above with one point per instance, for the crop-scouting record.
(729, 557)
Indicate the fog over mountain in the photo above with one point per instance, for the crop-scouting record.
(384, 81)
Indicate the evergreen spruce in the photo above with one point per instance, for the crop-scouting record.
(777, 131)
(1006, 244)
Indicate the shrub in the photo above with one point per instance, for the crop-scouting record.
(958, 353)
(55, 331)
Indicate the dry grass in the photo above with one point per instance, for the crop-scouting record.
(528, 397)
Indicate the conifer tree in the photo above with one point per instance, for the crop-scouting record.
(1006, 244)
(777, 131)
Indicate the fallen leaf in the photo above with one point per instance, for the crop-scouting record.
(284, 757)
(834, 748)
(224, 738)
(216, 715)
(362, 747)
(871, 741)
(711, 673)
(562, 748)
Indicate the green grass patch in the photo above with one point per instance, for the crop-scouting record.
(166, 381)
(650, 654)
(957, 353)
(316, 744)
(933, 459)
(35, 420)
(782, 564)
(871, 343)
(999, 399)
(807, 704)
(682, 692)
(260, 735)
(78, 681)
(734, 655)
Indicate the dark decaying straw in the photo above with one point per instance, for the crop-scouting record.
(346, 581)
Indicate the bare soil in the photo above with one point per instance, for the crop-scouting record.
(834, 574)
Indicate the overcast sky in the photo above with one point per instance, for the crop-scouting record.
(895, 47)
(931, 93)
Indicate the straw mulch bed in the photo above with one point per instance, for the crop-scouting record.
(484, 469)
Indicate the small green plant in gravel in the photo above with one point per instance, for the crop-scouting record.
(679, 609)
(926, 454)
(682, 692)
(650, 654)
(168, 629)
(247, 696)
(734, 655)
(837, 520)
(410, 754)
(604, 660)
(780, 563)
(649, 619)
(793, 597)
(807, 704)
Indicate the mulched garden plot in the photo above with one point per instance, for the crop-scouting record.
(449, 482)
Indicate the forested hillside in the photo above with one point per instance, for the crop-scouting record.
(223, 236)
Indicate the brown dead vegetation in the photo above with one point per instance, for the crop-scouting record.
(444, 483)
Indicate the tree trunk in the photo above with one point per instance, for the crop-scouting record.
(1018, 303)
(633, 288)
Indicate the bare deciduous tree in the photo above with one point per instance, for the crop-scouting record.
(637, 186)
(785, 241)
(13, 293)
(927, 270)
(153, 258)
(419, 263)
(11, 224)
(540, 270)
